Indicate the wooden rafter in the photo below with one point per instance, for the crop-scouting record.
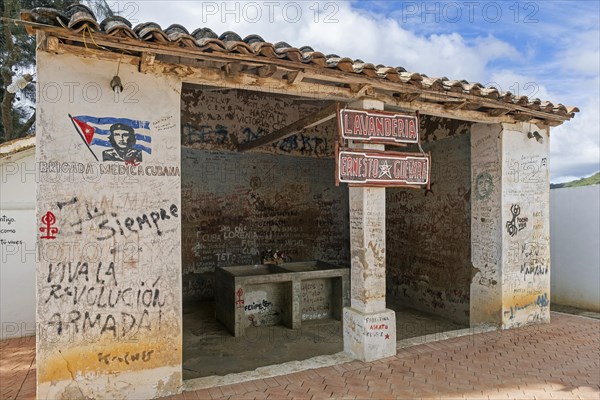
(322, 85)
(316, 118)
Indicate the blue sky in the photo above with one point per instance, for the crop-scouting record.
(543, 49)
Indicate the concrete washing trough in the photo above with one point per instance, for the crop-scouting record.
(288, 293)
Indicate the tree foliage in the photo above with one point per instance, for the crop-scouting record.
(17, 57)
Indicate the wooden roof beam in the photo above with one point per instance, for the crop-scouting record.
(294, 77)
(309, 71)
(322, 115)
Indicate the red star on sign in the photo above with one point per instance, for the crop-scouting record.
(387, 336)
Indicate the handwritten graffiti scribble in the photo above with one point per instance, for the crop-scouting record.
(125, 358)
(205, 134)
(511, 226)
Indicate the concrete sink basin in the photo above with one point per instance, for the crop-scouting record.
(257, 269)
(288, 293)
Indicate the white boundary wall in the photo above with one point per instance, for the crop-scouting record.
(575, 246)
(17, 244)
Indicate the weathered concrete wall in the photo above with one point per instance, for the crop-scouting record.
(17, 244)
(238, 205)
(428, 232)
(510, 225)
(526, 226)
(486, 224)
(575, 244)
(109, 271)
(222, 119)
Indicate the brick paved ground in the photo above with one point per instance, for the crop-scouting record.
(556, 361)
(17, 368)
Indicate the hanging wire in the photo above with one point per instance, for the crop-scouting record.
(87, 28)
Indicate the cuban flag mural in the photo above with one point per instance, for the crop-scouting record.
(124, 139)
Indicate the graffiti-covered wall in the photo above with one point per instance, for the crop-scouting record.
(428, 231)
(486, 229)
(237, 206)
(525, 225)
(510, 225)
(108, 223)
(222, 119)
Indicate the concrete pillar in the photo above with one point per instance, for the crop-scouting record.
(108, 232)
(369, 328)
(510, 234)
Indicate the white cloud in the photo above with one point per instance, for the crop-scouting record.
(569, 48)
(356, 34)
(580, 55)
(575, 145)
(518, 84)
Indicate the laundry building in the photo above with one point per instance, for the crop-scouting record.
(178, 170)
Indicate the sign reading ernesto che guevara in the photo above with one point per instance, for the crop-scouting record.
(378, 126)
(384, 169)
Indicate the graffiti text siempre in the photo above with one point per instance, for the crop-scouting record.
(377, 126)
(110, 223)
(386, 169)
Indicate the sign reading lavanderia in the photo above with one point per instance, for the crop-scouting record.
(383, 168)
(378, 126)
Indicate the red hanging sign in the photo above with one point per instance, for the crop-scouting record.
(378, 126)
(372, 168)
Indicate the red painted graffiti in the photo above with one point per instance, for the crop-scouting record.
(48, 220)
(240, 294)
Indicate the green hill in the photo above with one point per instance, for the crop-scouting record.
(590, 180)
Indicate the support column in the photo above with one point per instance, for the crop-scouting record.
(510, 225)
(369, 328)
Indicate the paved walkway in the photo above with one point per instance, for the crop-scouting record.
(556, 361)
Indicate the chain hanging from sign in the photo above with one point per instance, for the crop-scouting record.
(380, 168)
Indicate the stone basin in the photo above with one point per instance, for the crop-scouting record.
(306, 266)
(257, 269)
(288, 293)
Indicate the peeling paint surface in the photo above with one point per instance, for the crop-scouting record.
(428, 234)
(510, 225)
(109, 217)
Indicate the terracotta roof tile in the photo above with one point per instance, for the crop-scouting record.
(78, 17)
(118, 26)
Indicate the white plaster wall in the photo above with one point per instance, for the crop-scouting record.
(510, 225)
(575, 246)
(109, 291)
(17, 244)
(525, 226)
